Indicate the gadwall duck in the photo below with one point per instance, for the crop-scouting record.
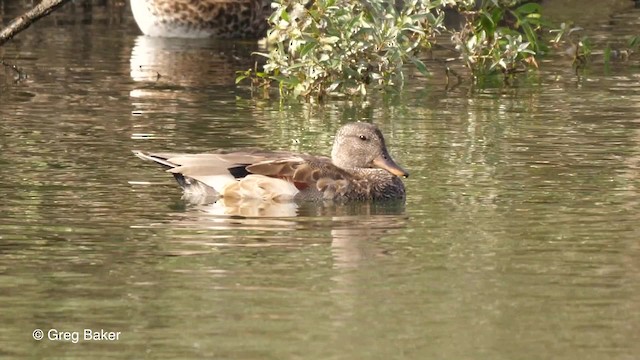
(360, 168)
(202, 18)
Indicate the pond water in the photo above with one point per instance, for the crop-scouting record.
(518, 239)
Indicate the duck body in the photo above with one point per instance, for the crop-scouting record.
(202, 18)
(360, 169)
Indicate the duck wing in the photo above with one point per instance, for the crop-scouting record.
(214, 169)
(315, 175)
(214, 163)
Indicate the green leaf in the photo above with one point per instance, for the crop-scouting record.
(334, 86)
(497, 14)
(419, 17)
(523, 46)
(306, 48)
(529, 8)
(286, 80)
(420, 66)
(486, 22)
(330, 40)
(531, 37)
(285, 15)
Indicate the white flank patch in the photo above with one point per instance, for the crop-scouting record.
(218, 182)
(150, 24)
(260, 187)
(142, 15)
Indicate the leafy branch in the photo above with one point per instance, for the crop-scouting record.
(349, 47)
(342, 47)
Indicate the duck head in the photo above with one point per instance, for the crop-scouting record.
(361, 145)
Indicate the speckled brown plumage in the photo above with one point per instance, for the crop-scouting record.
(202, 18)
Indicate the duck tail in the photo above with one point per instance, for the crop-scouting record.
(153, 157)
(182, 181)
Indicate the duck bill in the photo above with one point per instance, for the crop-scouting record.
(385, 162)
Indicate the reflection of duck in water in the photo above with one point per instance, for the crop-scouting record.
(194, 63)
(360, 168)
(202, 18)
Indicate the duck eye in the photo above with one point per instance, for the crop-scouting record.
(363, 138)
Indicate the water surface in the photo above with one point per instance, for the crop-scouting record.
(518, 239)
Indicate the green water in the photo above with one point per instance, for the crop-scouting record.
(518, 239)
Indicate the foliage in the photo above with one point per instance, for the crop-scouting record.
(347, 47)
(580, 47)
(622, 53)
(341, 46)
(577, 46)
(500, 36)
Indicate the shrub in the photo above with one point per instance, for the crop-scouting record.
(347, 47)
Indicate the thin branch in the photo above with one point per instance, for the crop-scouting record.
(21, 75)
(44, 8)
